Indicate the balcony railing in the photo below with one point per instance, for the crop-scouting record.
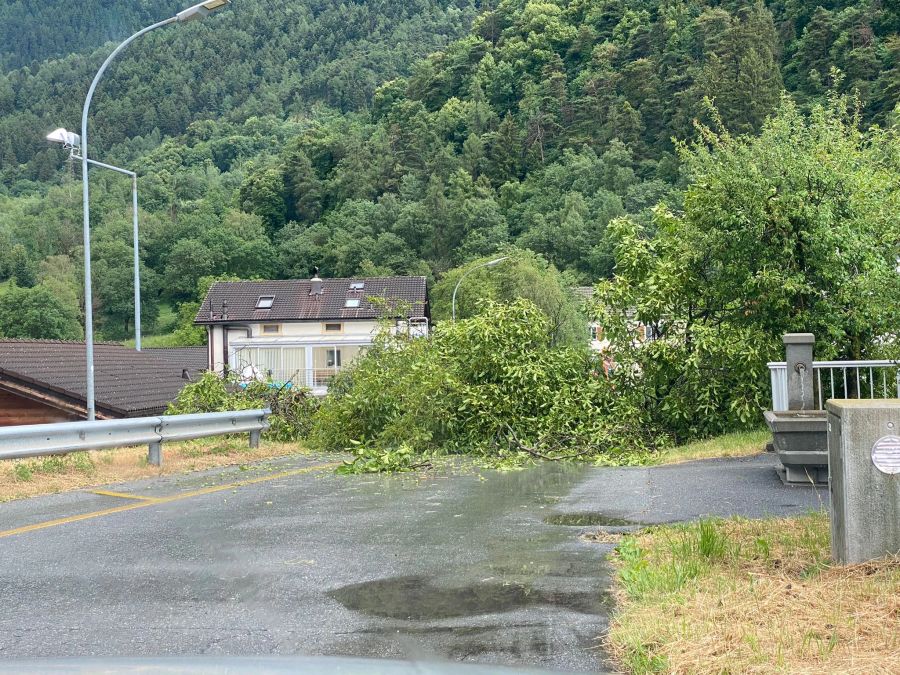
(316, 379)
(840, 379)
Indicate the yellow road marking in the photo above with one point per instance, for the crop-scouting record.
(143, 503)
(110, 493)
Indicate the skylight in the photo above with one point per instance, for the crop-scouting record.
(357, 285)
(265, 302)
(351, 302)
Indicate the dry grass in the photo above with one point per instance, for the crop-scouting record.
(738, 444)
(752, 597)
(30, 477)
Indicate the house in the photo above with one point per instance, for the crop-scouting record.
(595, 332)
(43, 381)
(598, 342)
(304, 331)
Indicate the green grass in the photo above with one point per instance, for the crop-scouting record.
(4, 286)
(737, 444)
(167, 319)
(151, 341)
(162, 334)
(54, 464)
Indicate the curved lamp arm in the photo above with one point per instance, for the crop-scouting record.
(490, 263)
(85, 190)
(195, 12)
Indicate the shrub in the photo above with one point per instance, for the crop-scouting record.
(292, 408)
(492, 385)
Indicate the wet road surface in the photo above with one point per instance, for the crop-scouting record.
(289, 558)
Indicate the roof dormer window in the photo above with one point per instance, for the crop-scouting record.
(265, 302)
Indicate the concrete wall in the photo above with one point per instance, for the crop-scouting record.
(865, 499)
(316, 328)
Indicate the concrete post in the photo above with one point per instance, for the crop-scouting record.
(154, 457)
(799, 358)
(254, 439)
(864, 476)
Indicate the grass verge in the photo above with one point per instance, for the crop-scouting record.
(59, 473)
(751, 596)
(737, 444)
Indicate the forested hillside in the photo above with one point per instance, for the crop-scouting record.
(258, 57)
(269, 148)
(34, 31)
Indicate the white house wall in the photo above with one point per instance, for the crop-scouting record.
(308, 339)
(317, 328)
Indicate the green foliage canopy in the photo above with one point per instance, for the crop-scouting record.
(491, 385)
(292, 409)
(793, 230)
(523, 275)
(37, 313)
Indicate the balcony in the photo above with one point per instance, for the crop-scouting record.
(295, 365)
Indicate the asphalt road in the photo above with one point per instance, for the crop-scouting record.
(289, 558)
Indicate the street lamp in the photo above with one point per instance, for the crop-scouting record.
(490, 263)
(200, 10)
(71, 141)
(197, 11)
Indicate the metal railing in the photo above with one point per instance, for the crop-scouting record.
(37, 440)
(315, 379)
(840, 379)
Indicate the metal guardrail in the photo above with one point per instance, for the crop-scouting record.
(840, 379)
(37, 440)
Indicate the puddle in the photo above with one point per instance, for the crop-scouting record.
(582, 519)
(417, 599)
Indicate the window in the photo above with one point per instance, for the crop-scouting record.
(334, 327)
(268, 361)
(351, 302)
(357, 285)
(333, 358)
(594, 333)
(271, 328)
(265, 302)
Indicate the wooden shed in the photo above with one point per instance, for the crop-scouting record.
(43, 381)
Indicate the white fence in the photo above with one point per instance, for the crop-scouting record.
(840, 379)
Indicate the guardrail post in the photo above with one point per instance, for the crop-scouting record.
(154, 457)
(254, 438)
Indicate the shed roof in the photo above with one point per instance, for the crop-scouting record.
(127, 383)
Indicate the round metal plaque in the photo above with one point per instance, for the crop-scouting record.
(886, 454)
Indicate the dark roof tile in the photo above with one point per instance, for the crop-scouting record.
(293, 301)
(127, 383)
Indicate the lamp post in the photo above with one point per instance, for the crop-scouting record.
(71, 141)
(490, 263)
(197, 11)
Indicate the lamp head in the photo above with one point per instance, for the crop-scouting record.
(67, 138)
(201, 10)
